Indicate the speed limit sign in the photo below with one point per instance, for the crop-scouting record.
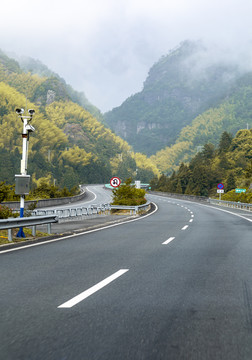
(115, 182)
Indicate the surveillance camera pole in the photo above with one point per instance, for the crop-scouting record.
(24, 160)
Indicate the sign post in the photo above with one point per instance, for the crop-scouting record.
(220, 189)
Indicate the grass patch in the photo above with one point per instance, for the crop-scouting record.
(28, 236)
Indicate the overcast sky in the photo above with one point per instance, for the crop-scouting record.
(106, 47)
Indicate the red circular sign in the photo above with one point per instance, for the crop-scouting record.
(115, 181)
(220, 186)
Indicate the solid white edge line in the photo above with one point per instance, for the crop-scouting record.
(75, 300)
(95, 196)
(229, 212)
(79, 234)
(168, 241)
(213, 207)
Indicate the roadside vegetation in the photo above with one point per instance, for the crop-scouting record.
(28, 235)
(128, 195)
(42, 191)
(230, 163)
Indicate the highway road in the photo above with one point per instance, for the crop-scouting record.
(176, 284)
(95, 194)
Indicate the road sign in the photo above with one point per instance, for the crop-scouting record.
(220, 186)
(220, 191)
(115, 181)
(240, 190)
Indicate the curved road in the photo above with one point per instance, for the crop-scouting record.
(95, 194)
(173, 285)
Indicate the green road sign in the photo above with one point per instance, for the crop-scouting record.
(240, 191)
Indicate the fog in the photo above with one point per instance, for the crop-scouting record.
(106, 47)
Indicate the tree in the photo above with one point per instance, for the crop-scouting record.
(4, 190)
(128, 195)
(230, 184)
(179, 187)
(225, 142)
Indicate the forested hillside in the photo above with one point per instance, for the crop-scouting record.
(69, 146)
(230, 163)
(48, 81)
(233, 114)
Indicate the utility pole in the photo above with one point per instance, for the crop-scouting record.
(22, 181)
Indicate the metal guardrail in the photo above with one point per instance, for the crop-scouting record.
(232, 204)
(74, 212)
(32, 221)
(49, 216)
(87, 211)
(132, 209)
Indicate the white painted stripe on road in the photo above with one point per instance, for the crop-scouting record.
(191, 220)
(168, 241)
(185, 227)
(70, 303)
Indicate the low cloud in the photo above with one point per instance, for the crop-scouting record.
(106, 47)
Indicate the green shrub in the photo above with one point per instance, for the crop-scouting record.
(128, 195)
(6, 212)
(47, 191)
(238, 197)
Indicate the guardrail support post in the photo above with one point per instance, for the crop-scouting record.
(9, 235)
(49, 227)
(33, 230)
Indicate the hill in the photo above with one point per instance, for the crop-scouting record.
(70, 146)
(230, 163)
(233, 114)
(180, 86)
(50, 81)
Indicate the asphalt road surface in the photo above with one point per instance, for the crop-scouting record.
(173, 285)
(95, 194)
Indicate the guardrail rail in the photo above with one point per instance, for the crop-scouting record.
(32, 221)
(49, 216)
(133, 209)
(232, 204)
(66, 213)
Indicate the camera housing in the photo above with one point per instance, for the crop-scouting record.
(31, 112)
(19, 111)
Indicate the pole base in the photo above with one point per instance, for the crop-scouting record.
(20, 233)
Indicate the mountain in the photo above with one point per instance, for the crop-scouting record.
(179, 87)
(70, 145)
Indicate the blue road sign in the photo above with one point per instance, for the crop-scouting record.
(220, 186)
